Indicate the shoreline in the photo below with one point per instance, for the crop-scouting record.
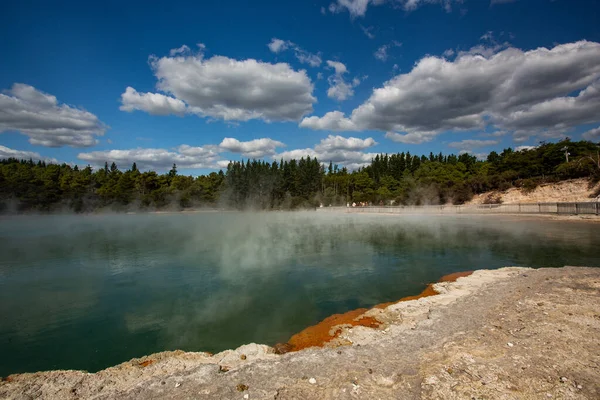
(523, 216)
(441, 346)
(329, 329)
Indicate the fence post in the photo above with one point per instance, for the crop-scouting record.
(576, 208)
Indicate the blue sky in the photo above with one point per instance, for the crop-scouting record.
(84, 82)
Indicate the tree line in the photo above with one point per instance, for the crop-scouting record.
(401, 178)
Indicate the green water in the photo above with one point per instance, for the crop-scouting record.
(88, 292)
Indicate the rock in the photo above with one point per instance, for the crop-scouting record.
(509, 344)
(177, 384)
(282, 348)
(563, 379)
(243, 357)
(312, 381)
(241, 387)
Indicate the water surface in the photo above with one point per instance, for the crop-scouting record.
(88, 292)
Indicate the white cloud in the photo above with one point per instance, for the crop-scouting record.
(524, 92)
(332, 143)
(349, 159)
(483, 50)
(411, 138)
(339, 88)
(6, 152)
(185, 156)
(332, 121)
(305, 57)
(224, 88)
(448, 53)
(155, 159)
(152, 103)
(524, 148)
(339, 67)
(337, 149)
(382, 52)
(472, 144)
(368, 31)
(181, 50)
(593, 135)
(256, 148)
(47, 123)
(358, 8)
(278, 45)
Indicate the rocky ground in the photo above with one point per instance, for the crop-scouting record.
(513, 333)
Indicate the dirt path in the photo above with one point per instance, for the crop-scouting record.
(513, 333)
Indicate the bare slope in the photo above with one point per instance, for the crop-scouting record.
(502, 334)
(574, 190)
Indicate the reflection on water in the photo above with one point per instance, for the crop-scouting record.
(87, 292)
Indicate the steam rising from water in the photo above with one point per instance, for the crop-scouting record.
(111, 287)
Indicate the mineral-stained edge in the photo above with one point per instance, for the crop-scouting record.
(266, 373)
(330, 328)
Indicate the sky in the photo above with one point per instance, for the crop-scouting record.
(201, 83)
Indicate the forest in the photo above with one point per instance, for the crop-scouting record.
(402, 179)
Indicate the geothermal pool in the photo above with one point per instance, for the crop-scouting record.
(88, 292)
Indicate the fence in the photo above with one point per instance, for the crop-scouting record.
(531, 208)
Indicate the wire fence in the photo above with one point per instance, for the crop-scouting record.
(592, 208)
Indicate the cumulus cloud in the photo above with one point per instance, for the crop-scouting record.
(184, 156)
(39, 116)
(337, 149)
(224, 88)
(524, 92)
(593, 135)
(332, 121)
(358, 8)
(382, 52)
(152, 103)
(339, 88)
(254, 148)
(332, 143)
(6, 152)
(305, 57)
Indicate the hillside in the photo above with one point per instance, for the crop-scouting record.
(572, 190)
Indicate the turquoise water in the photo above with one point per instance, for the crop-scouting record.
(88, 292)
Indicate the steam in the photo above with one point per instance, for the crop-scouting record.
(210, 281)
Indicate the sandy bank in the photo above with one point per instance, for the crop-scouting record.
(501, 334)
(573, 190)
